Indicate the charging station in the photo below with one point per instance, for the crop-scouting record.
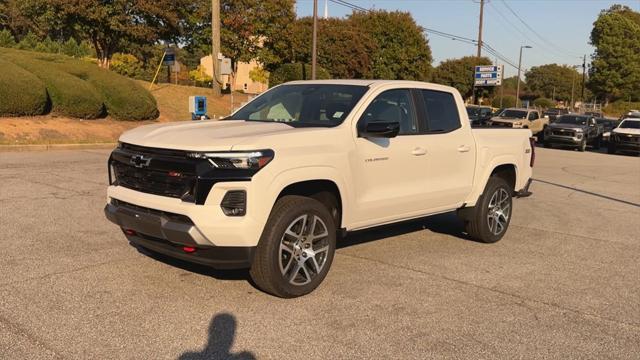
(198, 107)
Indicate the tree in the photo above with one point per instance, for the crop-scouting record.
(343, 49)
(615, 64)
(402, 49)
(544, 103)
(459, 73)
(553, 80)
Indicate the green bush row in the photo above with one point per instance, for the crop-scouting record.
(21, 92)
(81, 89)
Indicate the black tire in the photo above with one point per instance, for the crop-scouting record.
(548, 145)
(611, 149)
(477, 223)
(266, 267)
(583, 145)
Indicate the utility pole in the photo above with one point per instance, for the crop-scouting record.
(479, 53)
(480, 28)
(215, 46)
(518, 79)
(584, 68)
(315, 40)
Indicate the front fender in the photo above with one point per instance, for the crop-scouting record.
(309, 173)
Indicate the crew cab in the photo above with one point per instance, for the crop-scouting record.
(626, 137)
(518, 118)
(273, 186)
(574, 131)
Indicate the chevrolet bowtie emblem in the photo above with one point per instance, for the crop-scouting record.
(139, 161)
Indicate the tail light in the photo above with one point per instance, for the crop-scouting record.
(532, 141)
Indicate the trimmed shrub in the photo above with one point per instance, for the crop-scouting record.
(297, 71)
(543, 103)
(6, 39)
(507, 101)
(21, 93)
(81, 89)
(620, 107)
(70, 95)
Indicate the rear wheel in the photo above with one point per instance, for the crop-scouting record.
(296, 249)
(490, 218)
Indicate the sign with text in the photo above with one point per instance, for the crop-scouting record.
(488, 75)
(169, 56)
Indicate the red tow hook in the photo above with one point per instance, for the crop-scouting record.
(189, 249)
(130, 232)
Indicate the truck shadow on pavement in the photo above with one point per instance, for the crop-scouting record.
(447, 224)
(222, 332)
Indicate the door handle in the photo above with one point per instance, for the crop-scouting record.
(464, 148)
(418, 151)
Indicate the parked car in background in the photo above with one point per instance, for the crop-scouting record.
(633, 114)
(519, 118)
(479, 115)
(553, 113)
(574, 131)
(626, 137)
(607, 126)
(595, 114)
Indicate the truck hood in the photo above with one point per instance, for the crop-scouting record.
(203, 135)
(626, 131)
(567, 126)
(506, 119)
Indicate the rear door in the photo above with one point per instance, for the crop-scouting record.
(451, 150)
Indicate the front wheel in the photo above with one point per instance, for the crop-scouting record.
(490, 218)
(583, 145)
(296, 248)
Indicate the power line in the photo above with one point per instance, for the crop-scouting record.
(536, 33)
(349, 5)
(473, 42)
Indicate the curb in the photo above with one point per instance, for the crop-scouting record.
(45, 147)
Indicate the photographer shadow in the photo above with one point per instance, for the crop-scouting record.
(222, 331)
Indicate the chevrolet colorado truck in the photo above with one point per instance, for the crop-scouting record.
(273, 186)
(625, 137)
(574, 131)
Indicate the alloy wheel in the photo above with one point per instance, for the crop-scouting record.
(499, 211)
(304, 248)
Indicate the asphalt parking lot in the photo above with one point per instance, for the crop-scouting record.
(563, 283)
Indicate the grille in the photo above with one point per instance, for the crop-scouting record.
(141, 209)
(563, 133)
(627, 138)
(178, 185)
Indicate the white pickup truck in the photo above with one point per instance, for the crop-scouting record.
(276, 184)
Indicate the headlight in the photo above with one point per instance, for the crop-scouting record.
(517, 123)
(253, 160)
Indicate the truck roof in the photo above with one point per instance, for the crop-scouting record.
(375, 83)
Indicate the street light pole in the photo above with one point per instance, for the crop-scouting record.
(518, 79)
(315, 40)
(215, 47)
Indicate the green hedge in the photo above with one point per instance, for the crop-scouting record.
(507, 101)
(21, 93)
(297, 71)
(82, 90)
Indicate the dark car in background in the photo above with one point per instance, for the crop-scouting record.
(607, 125)
(574, 131)
(479, 115)
(553, 113)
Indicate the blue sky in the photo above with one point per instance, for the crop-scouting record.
(563, 26)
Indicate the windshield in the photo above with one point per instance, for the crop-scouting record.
(517, 114)
(473, 111)
(573, 120)
(303, 105)
(629, 124)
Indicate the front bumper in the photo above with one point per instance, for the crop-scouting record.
(562, 140)
(627, 146)
(169, 234)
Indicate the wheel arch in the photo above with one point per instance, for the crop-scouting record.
(505, 167)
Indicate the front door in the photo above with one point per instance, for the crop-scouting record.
(390, 173)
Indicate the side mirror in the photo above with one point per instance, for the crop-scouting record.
(380, 129)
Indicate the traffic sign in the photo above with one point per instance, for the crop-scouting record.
(169, 56)
(488, 75)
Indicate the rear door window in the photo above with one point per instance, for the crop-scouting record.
(441, 111)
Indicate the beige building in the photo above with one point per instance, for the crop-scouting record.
(243, 81)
